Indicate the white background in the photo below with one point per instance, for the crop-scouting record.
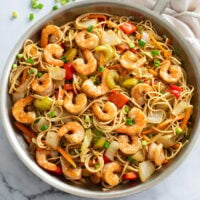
(18, 183)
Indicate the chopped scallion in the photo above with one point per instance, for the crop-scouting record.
(101, 68)
(31, 71)
(14, 14)
(87, 119)
(52, 114)
(130, 159)
(14, 66)
(20, 55)
(144, 142)
(89, 28)
(156, 63)
(178, 130)
(40, 6)
(129, 122)
(141, 43)
(126, 109)
(55, 7)
(44, 128)
(30, 60)
(155, 52)
(31, 16)
(106, 144)
(39, 74)
(132, 45)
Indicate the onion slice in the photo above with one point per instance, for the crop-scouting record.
(146, 169)
(110, 37)
(112, 150)
(155, 117)
(179, 108)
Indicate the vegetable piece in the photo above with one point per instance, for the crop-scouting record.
(99, 144)
(188, 113)
(40, 6)
(155, 117)
(139, 156)
(117, 98)
(131, 159)
(57, 73)
(130, 176)
(111, 77)
(106, 159)
(175, 87)
(179, 107)
(166, 140)
(52, 139)
(89, 28)
(130, 82)
(31, 16)
(52, 114)
(107, 50)
(60, 94)
(69, 71)
(20, 55)
(132, 45)
(71, 54)
(122, 47)
(144, 142)
(27, 133)
(43, 104)
(175, 90)
(164, 124)
(126, 109)
(87, 119)
(141, 43)
(14, 14)
(128, 28)
(106, 145)
(101, 68)
(87, 23)
(44, 127)
(129, 122)
(39, 74)
(110, 37)
(24, 76)
(145, 36)
(14, 66)
(112, 150)
(153, 72)
(86, 143)
(55, 7)
(58, 171)
(146, 169)
(96, 16)
(155, 52)
(178, 130)
(68, 87)
(32, 71)
(66, 156)
(156, 63)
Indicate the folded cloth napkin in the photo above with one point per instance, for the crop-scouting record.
(184, 15)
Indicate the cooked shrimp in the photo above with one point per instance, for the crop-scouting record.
(43, 85)
(139, 92)
(170, 73)
(49, 32)
(18, 111)
(156, 153)
(70, 172)
(111, 172)
(85, 69)
(93, 90)
(96, 178)
(87, 40)
(127, 148)
(73, 132)
(139, 122)
(130, 61)
(106, 113)
(52, 52)
(41, 158)
(78, 106)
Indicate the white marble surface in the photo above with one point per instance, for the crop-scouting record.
(18, 183)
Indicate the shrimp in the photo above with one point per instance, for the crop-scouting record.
(86, 40)
(18, 111)
(78, 106)
(73, 132)
(51, 51)
(110, 173)
(130, 61)
(156, 153)
(49, 30)
(106, 113)
(139, 123)
(139, 92)
(41, 158)
(170, 73)
(43, 85)
(92, 90)
(127, 148)
(70, 172)
(96, 178)
(85, 69)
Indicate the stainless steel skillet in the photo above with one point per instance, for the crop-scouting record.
(117, 7)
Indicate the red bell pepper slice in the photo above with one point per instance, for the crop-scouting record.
(130, 176)
(68, 86)
(175, 87)
(117, 98)
(106, 159)
(69, 71)
(175, 90)
(128, 28)
(58, 171)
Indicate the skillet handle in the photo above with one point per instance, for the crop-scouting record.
(160, 6)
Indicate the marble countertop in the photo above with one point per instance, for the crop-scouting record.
(18, 183)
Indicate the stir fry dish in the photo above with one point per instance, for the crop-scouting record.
(101, 100)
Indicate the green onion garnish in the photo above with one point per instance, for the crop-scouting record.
(156, 63)
(31, 71)
(58, 1)
(14, 66)
(14, 14)
(130, 159)
(129, 122)
(97, 165)
(64, 59)
(40, 6)
(55, 7)
(87, 119)
(106, 144)
(178, 130)
(31, 16)
(52, 114)
(155, 52)
(126, 109)
(140, 81)
(132, 45)
(101, 68)
(144, 142)
(63, 2)
(30, 60)
(39, 74)
(20, 55)
(44, 127)
(141, 43)
(37, 120)
(89, 28)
